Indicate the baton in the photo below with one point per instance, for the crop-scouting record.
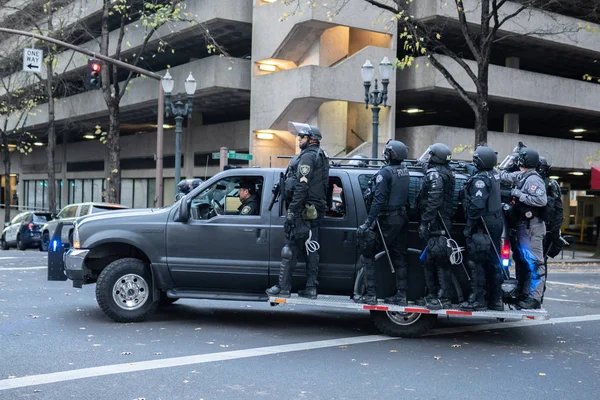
(494, 246)
(387, 253)
(448, 232)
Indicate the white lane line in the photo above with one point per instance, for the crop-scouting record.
(516, 324)
(7, 258)
(180, 361)
(21, 268)
(63, 376)
(565, 300)
(577, 285)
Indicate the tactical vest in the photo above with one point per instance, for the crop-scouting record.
(449, 204)
(290, 178)
(398, 195)
(525, 212)
(492, 182)
(553, 215)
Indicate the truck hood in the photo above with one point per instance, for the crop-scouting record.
(123, 216)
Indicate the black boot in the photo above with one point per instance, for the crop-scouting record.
(398, 299)
(309, 292)
(432, 286)
(443, 298)
(530, 304)
(370, 295)
(495, 302)
(476, 301)
(288, 262)
(312, 270)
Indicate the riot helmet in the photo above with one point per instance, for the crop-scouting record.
(509, 164)
(358, 161)
(485, 158)
(183, 186)
(528, 158)
(437, 153)
(301, 129)
(395, 152)
(195, 183)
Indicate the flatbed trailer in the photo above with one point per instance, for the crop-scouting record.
(408, 321)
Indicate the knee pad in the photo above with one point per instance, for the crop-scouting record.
(286, 253)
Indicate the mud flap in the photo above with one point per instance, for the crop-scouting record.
(56, 250)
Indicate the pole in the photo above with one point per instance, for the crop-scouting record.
(178, 128)
(223, 159)
(158, 187)
(375, 110)
(387, 252)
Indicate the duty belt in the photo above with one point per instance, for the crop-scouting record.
(392, 213)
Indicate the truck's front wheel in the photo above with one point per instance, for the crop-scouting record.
(400, 324)
(124, 291)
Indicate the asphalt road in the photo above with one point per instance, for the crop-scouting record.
(51, 332)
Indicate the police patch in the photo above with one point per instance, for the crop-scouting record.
(479, 194)
(479, 184)
(539, 192)
(245, 210)
(533, 187)
(304, 169)
(379, 178)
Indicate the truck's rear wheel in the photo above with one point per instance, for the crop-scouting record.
(124, 291)
(399, 324)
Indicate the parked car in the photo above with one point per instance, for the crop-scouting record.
(25, 230)
(68, 215)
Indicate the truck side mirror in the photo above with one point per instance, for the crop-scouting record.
(184, 210)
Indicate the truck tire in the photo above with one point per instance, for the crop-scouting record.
(3, 244)
(124, 290)
(45, 242)
(406, 325)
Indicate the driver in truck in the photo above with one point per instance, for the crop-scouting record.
(249, 199)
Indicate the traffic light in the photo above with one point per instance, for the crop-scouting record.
(92, 75)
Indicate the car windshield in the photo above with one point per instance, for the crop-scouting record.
(40, 218)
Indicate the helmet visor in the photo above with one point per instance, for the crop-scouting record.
(509, 162)
(299, 128)
(425, 157)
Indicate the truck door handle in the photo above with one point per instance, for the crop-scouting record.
(261, 236)
(348, 240)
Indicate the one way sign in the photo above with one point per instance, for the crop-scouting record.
(32, 60)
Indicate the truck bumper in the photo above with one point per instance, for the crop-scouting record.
(74, 262)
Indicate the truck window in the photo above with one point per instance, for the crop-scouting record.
(222, 198)
(336, 205)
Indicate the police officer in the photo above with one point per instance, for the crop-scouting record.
(436, 209)
(554, 213)
(482, 205)
(249, 199)
(307, 180)
(185, 186)
(387, 196)
(530, 199)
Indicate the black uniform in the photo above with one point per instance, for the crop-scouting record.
(249, 206)
(483, 205)
(554, 219)
(305, 185)
(435, 200)
(387, 196)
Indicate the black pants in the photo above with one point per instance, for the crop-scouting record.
(395, 232)
(493, 267)
(298, 245)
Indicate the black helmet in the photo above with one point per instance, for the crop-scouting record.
(528, 158)
(509, 164)
(395, 152)
(437, 153)
(300, 129)
(485, 157)
(195, 183)
(183, 186)
(543, 166)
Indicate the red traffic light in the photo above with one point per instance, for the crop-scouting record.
(95, 67)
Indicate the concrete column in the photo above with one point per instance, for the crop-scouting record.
(64, 192)
(511, 121)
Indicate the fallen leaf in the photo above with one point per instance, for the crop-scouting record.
(542, 374)
(456, 345)
(393, 351)
(12, 377)
(210, 342)
(83, 329)
(157, 354)
(125, 353)
(526, 352)
(96, 345)
(198, 329)
(343, 347)
(364, 364)
(224, 345)
(186, 381)
(437, 357)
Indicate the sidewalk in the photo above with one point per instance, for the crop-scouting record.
(581, 257)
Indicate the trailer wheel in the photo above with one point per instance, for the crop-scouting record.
(406, 325)
(124, 290)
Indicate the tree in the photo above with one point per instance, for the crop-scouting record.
(427, 39)
(151, 15)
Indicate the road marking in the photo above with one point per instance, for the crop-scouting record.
(7, 258)
(21, 268)
(114, 369)
(180, 361)
(565, 300)
(574, 285)
(505, 325)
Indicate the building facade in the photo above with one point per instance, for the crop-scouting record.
(306, 68)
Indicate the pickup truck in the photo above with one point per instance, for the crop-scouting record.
(201, 248)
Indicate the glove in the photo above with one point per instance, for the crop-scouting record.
(361, 230)
(289, 223)
(423, 231)
(516, 193)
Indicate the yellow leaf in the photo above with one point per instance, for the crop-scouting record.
(542, 374)
(114, 171)
(438, 36)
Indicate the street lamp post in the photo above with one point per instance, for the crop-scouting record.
(376, 97)
(179, 110)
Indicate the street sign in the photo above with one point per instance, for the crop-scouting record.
(246, 157)
(32, 60)
(231, 153)
(216, 156)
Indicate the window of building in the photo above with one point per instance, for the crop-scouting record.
(138, 192)
(86, 190)
(36, 194)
